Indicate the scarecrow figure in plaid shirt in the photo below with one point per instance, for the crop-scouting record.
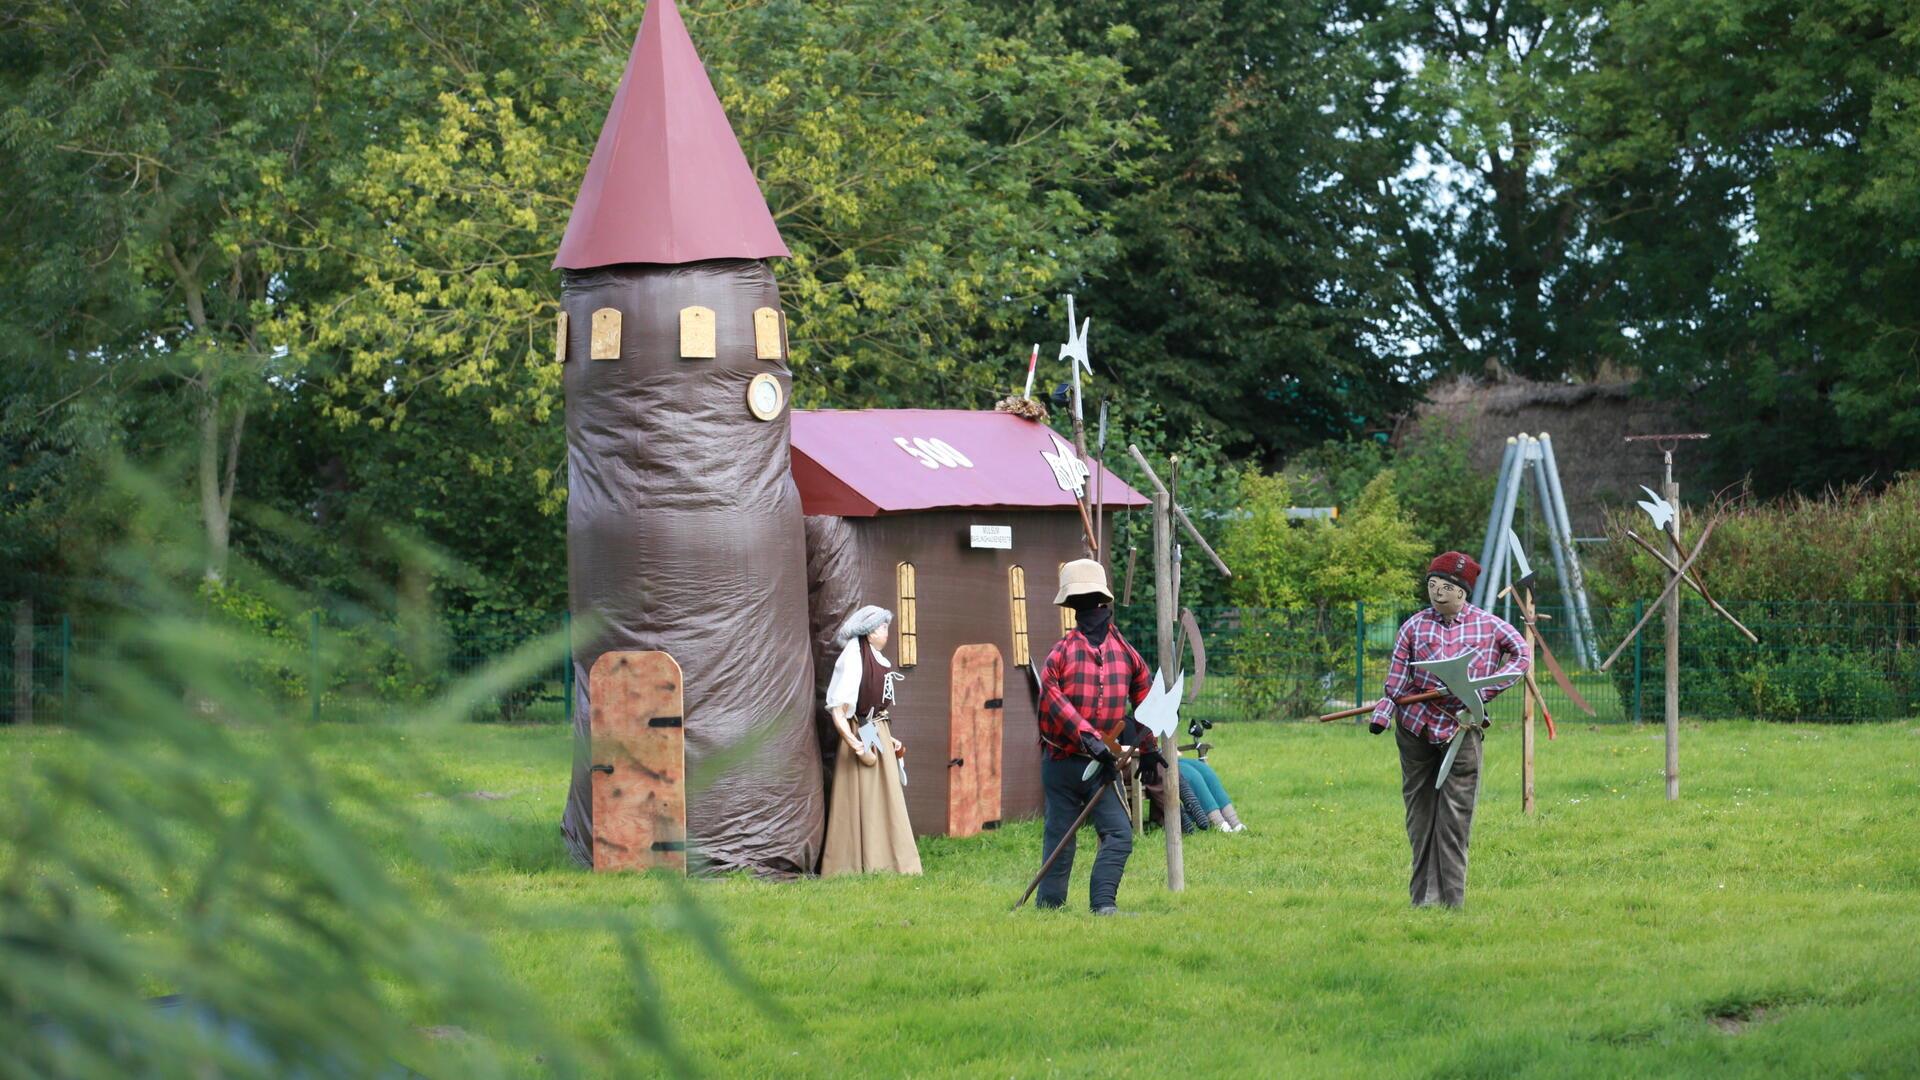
(1440, 818)
(1091, 681)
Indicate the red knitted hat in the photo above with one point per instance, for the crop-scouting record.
(1456, 567)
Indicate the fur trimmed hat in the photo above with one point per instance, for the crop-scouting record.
(1456, 567)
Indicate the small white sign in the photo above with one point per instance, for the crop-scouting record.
(993, 536)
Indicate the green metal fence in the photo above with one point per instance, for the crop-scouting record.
(1831, 662)
(1817, 661)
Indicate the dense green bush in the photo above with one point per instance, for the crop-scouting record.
(1297, 582)
(1831, 586)
(373, 663)
(1817, 661)
(1851, 544)
(1443, 495)
(1823, 685)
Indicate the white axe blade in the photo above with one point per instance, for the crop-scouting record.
(1523, 580)
(1160, 712)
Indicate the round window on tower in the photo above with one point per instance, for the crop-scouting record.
(765, 396)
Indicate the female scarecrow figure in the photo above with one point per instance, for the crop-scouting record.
(867, 825)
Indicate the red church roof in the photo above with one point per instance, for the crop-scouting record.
(889, 461)
(668, 182)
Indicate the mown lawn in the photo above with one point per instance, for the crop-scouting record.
(1769, 923)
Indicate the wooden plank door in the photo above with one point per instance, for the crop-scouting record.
(973, 758)
(638, 751)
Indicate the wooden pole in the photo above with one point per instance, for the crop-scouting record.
(1671, 493)
(1362, 710)
(1165, 604)
(23, 661)
(1072, 831)
(1526, 710)
(1100, 491)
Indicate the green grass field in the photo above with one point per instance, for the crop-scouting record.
(1768, 924)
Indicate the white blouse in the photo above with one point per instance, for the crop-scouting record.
(844, 687)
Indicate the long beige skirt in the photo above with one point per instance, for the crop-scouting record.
(867, 825)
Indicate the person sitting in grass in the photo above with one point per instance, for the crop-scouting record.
(1216, 808)
(1204, 804)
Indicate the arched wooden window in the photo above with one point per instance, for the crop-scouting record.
(906, 616)
(1017, 601)
(1066, 613)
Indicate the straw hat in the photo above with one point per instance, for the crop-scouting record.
(1082, 576)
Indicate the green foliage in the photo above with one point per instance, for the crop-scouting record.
(191, 838)
(1335, 472)
(1444, 495)
(1814, 684)
(1758, 165)
(1848, 544)
(1297, 583)
(1447, 498)
(1247, 297)
(1208, 486)
(1369, 555)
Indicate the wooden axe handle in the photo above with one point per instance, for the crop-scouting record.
(1430, 695)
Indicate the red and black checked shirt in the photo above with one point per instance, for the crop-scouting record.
(1426, 636)
(1088, 687)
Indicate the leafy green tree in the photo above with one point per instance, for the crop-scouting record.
(1248, 297)
(162, 161)
(1492, 246)
(923, 172)
(1761, 162)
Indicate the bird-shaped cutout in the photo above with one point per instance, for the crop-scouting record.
(1660, 510)
(1456, 674)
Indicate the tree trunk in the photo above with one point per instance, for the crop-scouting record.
(23, 660)
(217, 479)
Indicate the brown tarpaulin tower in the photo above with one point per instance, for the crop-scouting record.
(684, 530)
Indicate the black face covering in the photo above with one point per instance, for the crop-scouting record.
(1094, 619)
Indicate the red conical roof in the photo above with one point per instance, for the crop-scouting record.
(668, 182)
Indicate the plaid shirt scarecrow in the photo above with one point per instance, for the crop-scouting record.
(1428, 636)
(1088, 687)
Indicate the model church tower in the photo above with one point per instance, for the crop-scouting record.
(684, 530)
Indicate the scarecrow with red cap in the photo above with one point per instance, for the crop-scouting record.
(1440, 799)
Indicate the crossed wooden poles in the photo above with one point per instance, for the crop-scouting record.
(1676, 575)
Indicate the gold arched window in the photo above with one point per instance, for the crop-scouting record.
(1066, 613)
(906, 617)
(1017, 601)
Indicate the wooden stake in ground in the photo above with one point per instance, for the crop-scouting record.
(1671, 492)
(1164, 605)
(1666, 516)
(1526, 708)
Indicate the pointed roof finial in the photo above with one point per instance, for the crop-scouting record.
(668, 182)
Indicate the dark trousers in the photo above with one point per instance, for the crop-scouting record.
(1439, 823)
(1067, 795)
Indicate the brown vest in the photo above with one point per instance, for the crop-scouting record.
(873, 684)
